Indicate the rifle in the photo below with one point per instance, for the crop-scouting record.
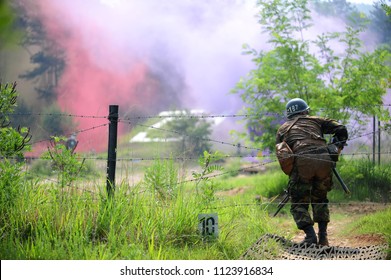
(287, 195)
(283, 201)
(335, 148)
(344, 187)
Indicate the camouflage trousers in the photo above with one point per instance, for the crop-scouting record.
(310, 181)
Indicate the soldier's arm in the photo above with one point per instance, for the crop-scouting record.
(337, 130)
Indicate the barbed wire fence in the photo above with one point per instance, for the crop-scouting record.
(252, 156)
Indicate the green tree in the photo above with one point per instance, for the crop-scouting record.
(13, 142)
(386, 8)
(347, 85)
(381, 22)
(344, 10)
(194, 133)
(341, 9)
(64, 162)
(48, 57)
(335, 8)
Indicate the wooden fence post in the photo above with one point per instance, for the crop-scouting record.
(112, 149)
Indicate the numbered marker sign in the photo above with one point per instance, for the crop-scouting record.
(208, 224)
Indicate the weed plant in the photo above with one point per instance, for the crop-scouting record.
(366, 181)
(138, 223)
(49, 221)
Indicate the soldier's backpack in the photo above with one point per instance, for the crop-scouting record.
(285, 154)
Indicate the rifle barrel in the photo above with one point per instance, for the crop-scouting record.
(282, 204)
(345, 188)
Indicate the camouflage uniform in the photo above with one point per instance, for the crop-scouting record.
(311, 177)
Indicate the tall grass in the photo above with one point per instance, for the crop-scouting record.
(366, 181)
(374, 224)
(135, 224)
(148, 220)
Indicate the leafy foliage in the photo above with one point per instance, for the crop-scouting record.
(64, 162)
(45, 53)
(193, 133)
(368, 181)
(381, 22)
(205, 186)
(162, 179)
(13, 142)
(386, 8)
(349, 80)
(334, 8)
(7, 102)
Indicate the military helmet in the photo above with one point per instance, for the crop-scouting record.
(296, 106)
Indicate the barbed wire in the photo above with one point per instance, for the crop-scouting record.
(267, 156)
(212, 116)
(189, 158)
(127, 120)
(198, 137)
(179, 114)
(56, 181)
(252, 166)
(219, 198)
(69, 134)
(189, 136)
(238, 145)
(72, 186)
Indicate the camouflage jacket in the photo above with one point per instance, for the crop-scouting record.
(308, 132)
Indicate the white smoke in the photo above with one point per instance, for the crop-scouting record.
(201, 39)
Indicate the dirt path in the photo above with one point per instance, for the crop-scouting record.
(341, 216)
(346, 214)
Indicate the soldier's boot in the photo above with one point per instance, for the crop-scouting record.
(310, 236)
(322, 234)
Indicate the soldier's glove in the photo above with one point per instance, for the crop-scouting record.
(340, 143)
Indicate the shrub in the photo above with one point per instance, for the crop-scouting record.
(13, 142)
(162, 179)
(367, 181)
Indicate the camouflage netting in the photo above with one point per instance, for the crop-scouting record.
(274, 247)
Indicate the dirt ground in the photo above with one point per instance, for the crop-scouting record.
(348, 213)
(344, 214)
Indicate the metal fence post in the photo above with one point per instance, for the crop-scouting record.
(378, 141)
(374, 141)
(112, 149)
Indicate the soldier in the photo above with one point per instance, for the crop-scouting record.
(311, 177)
(71, 142)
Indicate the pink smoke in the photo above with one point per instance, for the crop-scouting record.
(94, 77)
(151, 54)
(87, 89)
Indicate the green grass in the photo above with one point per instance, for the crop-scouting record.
(134, 225)
(79, 222)
(366, 180)
(374, 223)
(377, 223)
